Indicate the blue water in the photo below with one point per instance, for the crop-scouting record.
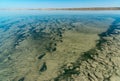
(54, 12)
(17, 25)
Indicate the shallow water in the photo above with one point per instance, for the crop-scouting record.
(61, 35)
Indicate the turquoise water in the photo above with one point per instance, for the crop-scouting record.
(54, 12)
(18, 26)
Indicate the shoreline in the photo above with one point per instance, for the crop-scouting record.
(81, 9)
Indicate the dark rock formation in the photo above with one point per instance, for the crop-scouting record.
(43, 67)
(41, 56)
(21, 79)
(51, 47)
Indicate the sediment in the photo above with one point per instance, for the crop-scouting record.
(98, 64)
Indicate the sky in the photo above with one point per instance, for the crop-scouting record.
(58, 3)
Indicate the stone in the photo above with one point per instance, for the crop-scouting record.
(41, 56)
(43, 67)
(21, 79)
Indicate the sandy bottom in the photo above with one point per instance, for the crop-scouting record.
(38, 51)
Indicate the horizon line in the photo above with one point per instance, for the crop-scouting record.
(81, 8)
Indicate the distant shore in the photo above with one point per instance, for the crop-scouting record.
(92, 8)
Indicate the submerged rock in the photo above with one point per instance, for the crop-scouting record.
(43, 67)
(41, 56)
(21, 79)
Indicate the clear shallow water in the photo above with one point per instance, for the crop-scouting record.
(25, 34)
(54, 12)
